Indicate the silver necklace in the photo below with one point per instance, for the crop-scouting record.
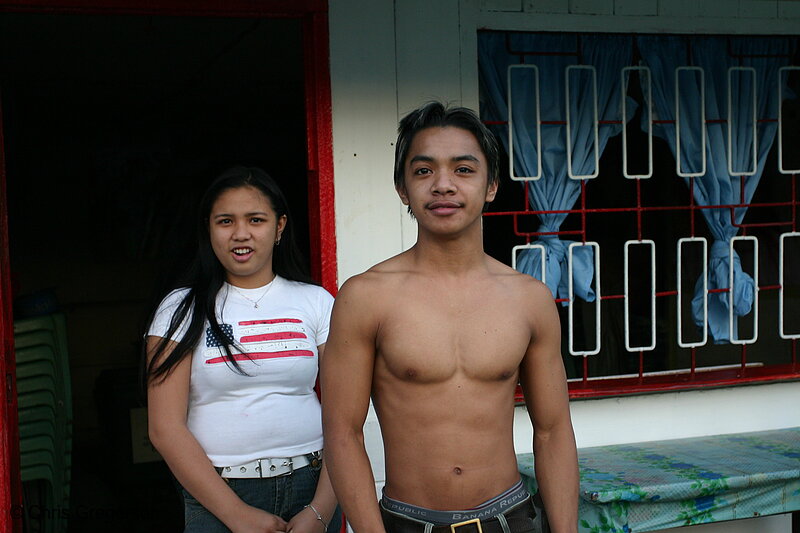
(255, 302)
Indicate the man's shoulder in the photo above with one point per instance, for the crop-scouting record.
(525, 294)
(517, 281)
(382, 277)
(386, 272)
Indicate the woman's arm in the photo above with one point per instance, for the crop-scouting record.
(167, 411)
(324, 502)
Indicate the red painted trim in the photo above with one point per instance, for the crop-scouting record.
(10, 484)
(203, 8)
(319, 121)
(669, 383)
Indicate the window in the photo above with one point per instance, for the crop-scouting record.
(594, 204)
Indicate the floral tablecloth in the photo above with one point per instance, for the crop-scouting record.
(657, 485)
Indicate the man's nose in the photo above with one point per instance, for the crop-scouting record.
(444, 183)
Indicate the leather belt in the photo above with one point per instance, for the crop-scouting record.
(271, 467)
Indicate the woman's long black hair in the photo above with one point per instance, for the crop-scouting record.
(206, 275)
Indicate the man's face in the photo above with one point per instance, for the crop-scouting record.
(446, 179)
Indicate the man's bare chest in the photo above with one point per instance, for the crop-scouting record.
(437, 336)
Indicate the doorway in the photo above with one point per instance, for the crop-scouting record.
(113, 127)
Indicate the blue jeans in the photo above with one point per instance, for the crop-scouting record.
(284, 496)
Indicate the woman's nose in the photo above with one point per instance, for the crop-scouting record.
(241, 232)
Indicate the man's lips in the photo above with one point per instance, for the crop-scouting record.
(443, 207)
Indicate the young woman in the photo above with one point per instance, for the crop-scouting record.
(232, 357)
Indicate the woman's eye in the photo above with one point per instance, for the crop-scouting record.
(256, 220)
(223, 221)
(422, 170)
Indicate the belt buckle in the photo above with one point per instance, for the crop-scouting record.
(476, 521)
(273, 467)
(290, 464)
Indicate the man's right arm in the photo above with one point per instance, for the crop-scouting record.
(346, 382)
(544, 384)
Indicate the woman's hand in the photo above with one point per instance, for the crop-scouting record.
(254, 520)
(306, 521)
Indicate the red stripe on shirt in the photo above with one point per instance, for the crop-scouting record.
(281, 335)
(263, 355)
(271, 321)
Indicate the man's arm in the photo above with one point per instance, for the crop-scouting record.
(346, 382)
(544, 383)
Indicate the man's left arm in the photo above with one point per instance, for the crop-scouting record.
(544, 384)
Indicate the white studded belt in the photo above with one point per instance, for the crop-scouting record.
(272, 467)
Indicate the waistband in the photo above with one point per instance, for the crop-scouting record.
(270, 467)
(501, 504)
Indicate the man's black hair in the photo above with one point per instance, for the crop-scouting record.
(436, 114)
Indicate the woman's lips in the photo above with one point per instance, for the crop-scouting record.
(242, 254)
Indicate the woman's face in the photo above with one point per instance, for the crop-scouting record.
(243, 229)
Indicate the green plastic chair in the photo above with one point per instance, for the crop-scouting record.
(45, 415)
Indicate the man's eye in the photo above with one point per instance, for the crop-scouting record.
(464, 170)
(422, 170)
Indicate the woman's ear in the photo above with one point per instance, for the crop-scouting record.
(281, 226)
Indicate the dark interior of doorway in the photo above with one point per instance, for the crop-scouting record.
(113, 126)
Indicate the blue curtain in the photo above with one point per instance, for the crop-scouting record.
(555, 190)
(663, 54)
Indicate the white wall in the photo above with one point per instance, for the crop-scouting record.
(643, 16)
(675, 415)
(364, 108)
(372, 87)
(388, 57)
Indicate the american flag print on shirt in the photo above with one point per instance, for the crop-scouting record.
(261, 339)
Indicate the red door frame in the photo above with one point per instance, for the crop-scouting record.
(322, 228)
(10, 484)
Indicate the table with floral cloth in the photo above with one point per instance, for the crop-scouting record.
(649, 486)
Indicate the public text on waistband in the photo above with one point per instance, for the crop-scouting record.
(498, 506)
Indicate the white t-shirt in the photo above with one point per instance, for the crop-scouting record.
(273, 411)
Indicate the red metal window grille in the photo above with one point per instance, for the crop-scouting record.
(636, 209)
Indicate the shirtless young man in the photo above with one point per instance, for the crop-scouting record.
(439, 336)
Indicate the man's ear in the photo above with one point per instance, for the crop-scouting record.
(491, 190)
(402, 193)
